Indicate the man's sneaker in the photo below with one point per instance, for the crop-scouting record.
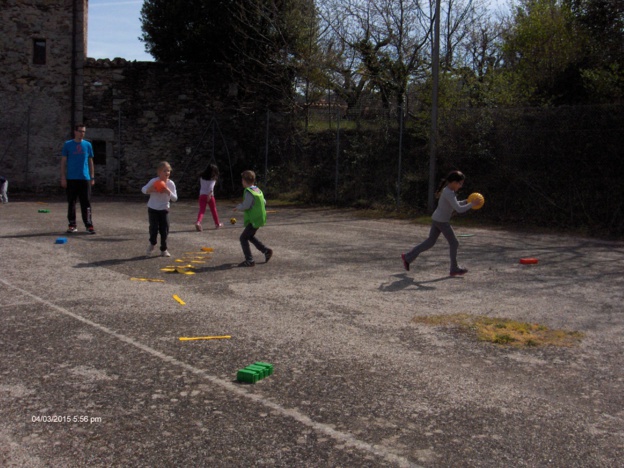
(91, 230)
(72, 229)
(198, 227)
(405, 264)
(459, 271)
(267, 255)
(247, 263)
(165, 253)
(150, 249)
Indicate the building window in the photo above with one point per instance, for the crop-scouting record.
(39, 51)
(99, 152)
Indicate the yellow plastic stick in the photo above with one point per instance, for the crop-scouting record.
(184, 272)
(192, 338)
(177, 298)
(148, 279)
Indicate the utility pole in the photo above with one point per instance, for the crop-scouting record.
(433, 148)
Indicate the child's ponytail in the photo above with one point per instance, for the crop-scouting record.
(438, 191)
(453, 176)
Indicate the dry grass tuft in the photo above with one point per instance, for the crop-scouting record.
(504, 331)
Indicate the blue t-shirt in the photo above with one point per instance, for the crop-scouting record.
(78, 155)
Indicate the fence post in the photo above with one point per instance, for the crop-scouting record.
(337, 152)
(400, 154)
(434, 108)
(27, 168)
(119, 150)
(266, 149)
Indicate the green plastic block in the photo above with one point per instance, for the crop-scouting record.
(247, 375)
(266, 365)
(262, 371)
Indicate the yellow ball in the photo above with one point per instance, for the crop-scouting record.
(232, 220)
(478, 197)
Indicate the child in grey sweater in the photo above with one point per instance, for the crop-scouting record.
(440, 222)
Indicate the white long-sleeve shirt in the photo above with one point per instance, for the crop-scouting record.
(160, 200)
(206, 187)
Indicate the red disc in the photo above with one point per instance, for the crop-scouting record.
(529, 261)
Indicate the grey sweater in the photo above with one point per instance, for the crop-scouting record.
(447, 204)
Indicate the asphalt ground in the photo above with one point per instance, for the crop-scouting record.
(93, 371)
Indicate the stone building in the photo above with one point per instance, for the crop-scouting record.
(136, 113)
(42, 52)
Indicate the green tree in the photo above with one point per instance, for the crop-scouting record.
(188, 30)
(253, 47)
(602, 64)
(541, 49)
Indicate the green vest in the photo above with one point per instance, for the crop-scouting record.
(256, 215)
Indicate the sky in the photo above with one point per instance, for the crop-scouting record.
(115, 27)
(114, 30)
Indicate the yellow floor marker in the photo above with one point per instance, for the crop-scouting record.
(184, 272)
(207, 249)
(177, 298)
(193, 338)
(152, 280)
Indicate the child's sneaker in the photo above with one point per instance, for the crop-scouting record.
(150, 249)
(267, 255)
(91, 230)
(405, 264)
(219, 226)
(247, 263)
(459, 271)
(165, 253)
(198, 227)
(72, 229)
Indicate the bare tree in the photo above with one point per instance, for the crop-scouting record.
(388, 38)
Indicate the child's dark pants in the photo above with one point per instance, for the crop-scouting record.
(249, 235)
(158, 224)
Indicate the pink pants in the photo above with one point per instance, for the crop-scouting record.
(211, 202)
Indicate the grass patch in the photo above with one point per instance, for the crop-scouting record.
(504, 331)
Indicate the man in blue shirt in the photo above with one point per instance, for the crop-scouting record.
(77, 177)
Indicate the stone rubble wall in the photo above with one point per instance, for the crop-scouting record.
(153, 112)
(36, 99)
(136, 113)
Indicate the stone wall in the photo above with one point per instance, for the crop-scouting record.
(37, 103)
(136, 113)
(148, 112)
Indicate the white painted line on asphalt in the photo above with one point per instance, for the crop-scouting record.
(339, 436)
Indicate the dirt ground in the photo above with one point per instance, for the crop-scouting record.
(93, 371)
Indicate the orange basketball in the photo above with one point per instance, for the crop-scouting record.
(159, 185)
